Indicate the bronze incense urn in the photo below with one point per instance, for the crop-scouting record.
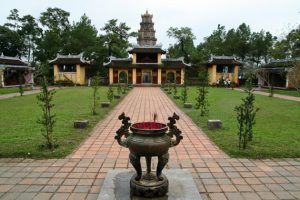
(148, 139)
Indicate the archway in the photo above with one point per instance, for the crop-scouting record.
(122, 77)
(170, 77)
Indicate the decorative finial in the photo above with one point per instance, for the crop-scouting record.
(147, 11)
(154, 116)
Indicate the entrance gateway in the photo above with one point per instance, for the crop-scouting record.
(146, 77)
(146, 65)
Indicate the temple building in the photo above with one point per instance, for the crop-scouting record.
(146, 65)
(70, 69)
(14, 72)
(278, 73)
(223, 68)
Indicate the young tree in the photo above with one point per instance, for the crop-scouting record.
(110, 93)
(246, 113)
(263, 75)
(95, 95)
(175, 89)
(119, 89)
(21, 88)
(184, 94)
(201, 99)
(294, 76)
(45, 101)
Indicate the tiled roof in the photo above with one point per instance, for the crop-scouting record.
(12, 62)
(127, 62)
(224, 60)
(146, 49)
(69, 59)
(281, 63)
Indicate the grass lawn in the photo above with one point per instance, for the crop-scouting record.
(277, 129)
(11, 90)
(20, 135)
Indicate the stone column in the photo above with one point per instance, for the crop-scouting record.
(159, 76)
(182, 76)
(134, 76)
(111, 76)
(1, 78)
(78, 73)
(159, 58)
(55, 71)
(236, 73)
(214, 74)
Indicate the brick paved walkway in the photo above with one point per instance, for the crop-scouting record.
(80, 175)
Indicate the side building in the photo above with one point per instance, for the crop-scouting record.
(146, 65)
(278, 73)
(14, 72)
(70, 69)
(223, 68)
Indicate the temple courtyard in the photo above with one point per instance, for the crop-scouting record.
(81, 174)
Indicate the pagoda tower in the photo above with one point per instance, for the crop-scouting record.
(146, 34)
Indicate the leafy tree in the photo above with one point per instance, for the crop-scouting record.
(30, 32)
(14, 20)
(116, 37)
(56, 24)
(280, 50)
(261, 43)
(184, 45)
(214, 44)
(11, 43)
(82, 37)
(45, 101)
(231, 43)
(293, 39)
(287, 47)
(201, 99)
(55, 19)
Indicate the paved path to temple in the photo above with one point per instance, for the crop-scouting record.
(80, 175)
(36, 90)
(280, 96)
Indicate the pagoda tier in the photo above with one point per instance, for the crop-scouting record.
(146, 35)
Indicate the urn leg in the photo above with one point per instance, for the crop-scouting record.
(162, 161)
(148, 162)
(136, 163)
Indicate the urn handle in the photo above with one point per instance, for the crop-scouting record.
(173, 130)
(124, 130)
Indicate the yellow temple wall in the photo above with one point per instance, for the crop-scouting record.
(134, 58)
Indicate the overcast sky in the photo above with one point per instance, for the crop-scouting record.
(203, 16)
